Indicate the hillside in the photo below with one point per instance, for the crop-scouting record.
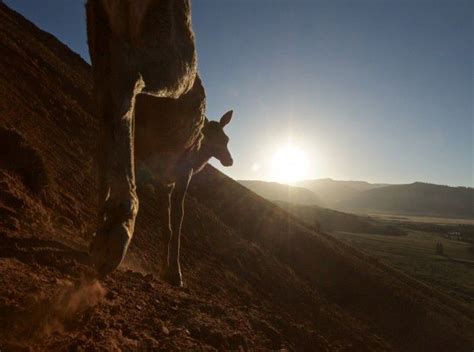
(416, 199)
(281, 192)
(333, 220)
(256, 277)
(334, 192)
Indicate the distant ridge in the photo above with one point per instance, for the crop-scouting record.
(417, 198)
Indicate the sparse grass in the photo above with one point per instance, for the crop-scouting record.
(415, 255)
(422, 219)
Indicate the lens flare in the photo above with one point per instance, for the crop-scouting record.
(289, 164)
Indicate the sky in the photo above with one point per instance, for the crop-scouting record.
(378, 90)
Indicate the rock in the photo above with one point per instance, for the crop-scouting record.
(110, 295)
(147, 286)
(165, 330)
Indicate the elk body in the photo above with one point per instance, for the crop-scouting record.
(147, 91)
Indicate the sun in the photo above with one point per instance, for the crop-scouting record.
(289, 164)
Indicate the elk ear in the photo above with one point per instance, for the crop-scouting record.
(225, 119)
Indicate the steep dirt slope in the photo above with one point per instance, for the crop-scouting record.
(257, 278)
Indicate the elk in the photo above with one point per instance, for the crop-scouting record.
(172, 168)
(144, 65)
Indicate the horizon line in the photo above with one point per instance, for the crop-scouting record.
(295, 183)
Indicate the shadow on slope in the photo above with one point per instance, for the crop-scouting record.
(405, 312)
(333, 220)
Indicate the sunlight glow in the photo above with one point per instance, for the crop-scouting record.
(289, 164)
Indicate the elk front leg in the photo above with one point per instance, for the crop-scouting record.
(164, 192)
(172, 274)
(118, 199)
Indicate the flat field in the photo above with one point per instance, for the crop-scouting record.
(414, 254)
(421, 219)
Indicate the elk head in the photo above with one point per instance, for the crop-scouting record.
(215, 140)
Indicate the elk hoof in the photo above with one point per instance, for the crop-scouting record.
(108, 248)
(173, 277)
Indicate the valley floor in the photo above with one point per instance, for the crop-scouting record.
(415, 255)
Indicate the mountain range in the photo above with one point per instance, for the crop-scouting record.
(417, 198)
